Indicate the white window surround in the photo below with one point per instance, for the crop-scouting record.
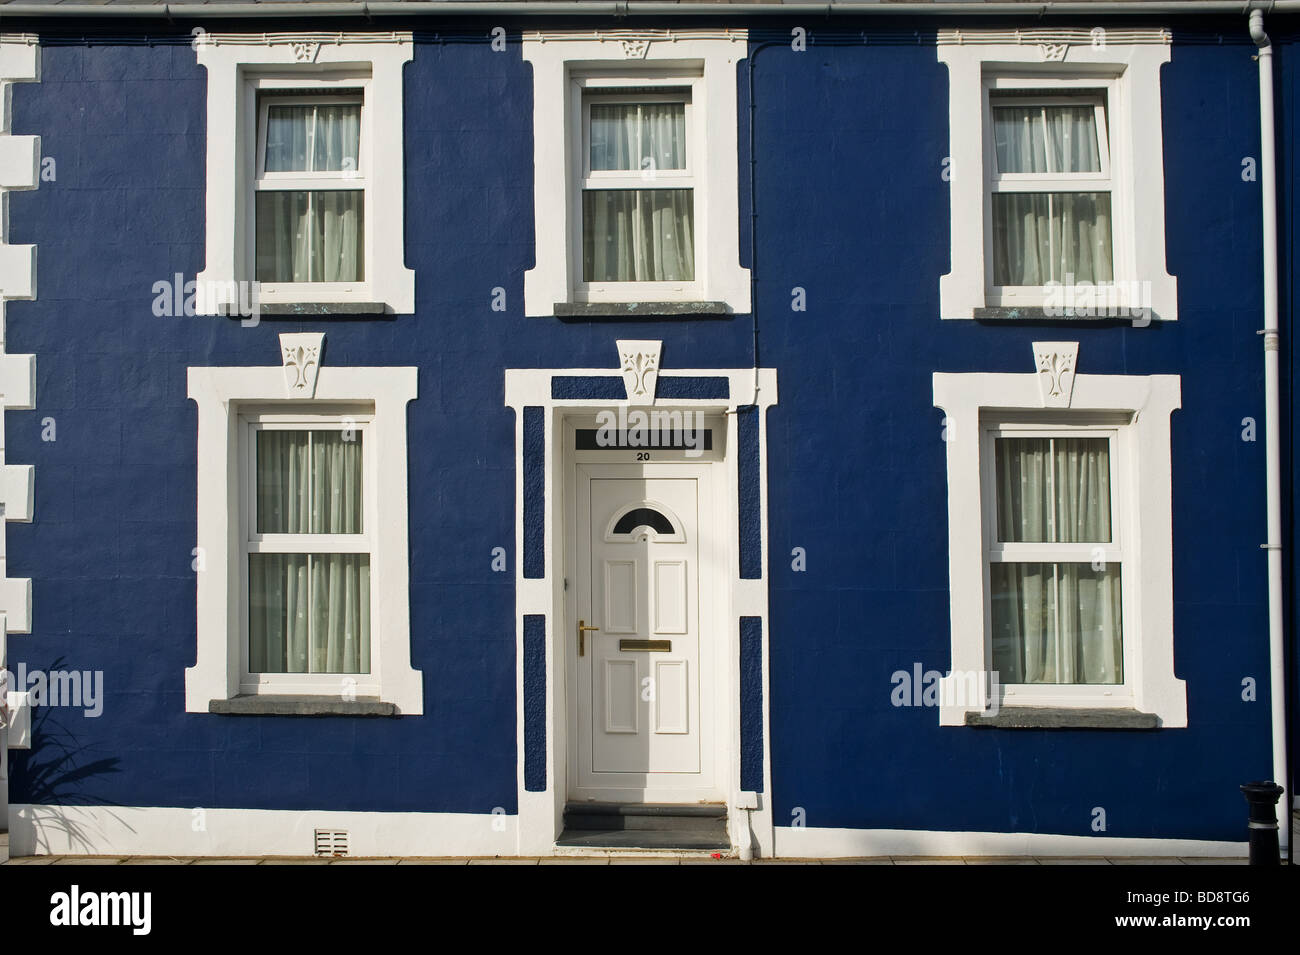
(237, 66)
(1126, 63)
(1138, 409)
(706, 61)
(224, 396)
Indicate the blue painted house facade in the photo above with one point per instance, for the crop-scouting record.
(433, 432)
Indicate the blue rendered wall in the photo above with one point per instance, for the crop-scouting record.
(852, 207)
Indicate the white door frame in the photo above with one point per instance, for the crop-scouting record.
(716, 525)
(542, 398)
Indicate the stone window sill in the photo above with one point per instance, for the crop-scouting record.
(254, 705)
(318, 309)
(1043, 717)
(640, 309)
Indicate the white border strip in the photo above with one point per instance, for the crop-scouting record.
(792, 842)
(137, 830)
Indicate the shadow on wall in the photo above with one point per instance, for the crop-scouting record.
(56, 772)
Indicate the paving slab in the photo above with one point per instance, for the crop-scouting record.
(227, 861)
(1144, 860)
(923, 860)
(88, 860)
(503, 861)
(155, 860)
(1072, 860)
(571, 860)
(434, 862)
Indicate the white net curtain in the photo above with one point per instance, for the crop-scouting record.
(638, 235)
(314, 235)
(1055, 622)
(309, 613)
(1041, 237)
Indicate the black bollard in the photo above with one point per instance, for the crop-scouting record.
(1262, 799)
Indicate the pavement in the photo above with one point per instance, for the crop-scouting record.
(622, 859)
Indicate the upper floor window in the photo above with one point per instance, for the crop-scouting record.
(638, 191)
(1056, 176)
(636, 188)
(310, 189)
(1049, 189)
(305, 193)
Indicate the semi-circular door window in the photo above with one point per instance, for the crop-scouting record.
(647, 520)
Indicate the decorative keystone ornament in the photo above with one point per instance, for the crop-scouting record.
(640, 363)
(1055, 363)
(301, 353)
(305, 51)
(635, 49)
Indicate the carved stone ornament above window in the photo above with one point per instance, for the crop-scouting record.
(301, 353)
(1055, 363)
(305, 52)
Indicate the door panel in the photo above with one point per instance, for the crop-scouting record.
(670, 596)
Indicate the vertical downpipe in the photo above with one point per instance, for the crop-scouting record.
(1273, 457)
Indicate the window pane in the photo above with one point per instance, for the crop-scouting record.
(613, 135)
(1046, 139)
(1072, 135)
(1091, 631)
(283, 494)
(309, 482)
(283, 238)
(1041, 237)
(1018, 138)
(322, 138)
(338, 251)
(1082, 489)
(1023, 603)
(636, 136)
(663, 136)
(1070, 505)
(288, 138)
(1057, 623)
(336, 482)
(311, 236)
(1025, 509)
(285, 636)
(638, 235)
(340, 613)
(337, 138)
(277, 613)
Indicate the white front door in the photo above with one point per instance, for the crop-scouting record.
(643, 730)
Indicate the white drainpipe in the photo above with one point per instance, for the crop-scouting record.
(1268, 191)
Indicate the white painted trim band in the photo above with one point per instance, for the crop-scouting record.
(808, 843)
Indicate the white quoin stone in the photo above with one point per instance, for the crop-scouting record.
(301, 354)
(20, 160)
(640, 363)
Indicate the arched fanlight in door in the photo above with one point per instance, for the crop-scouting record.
(643, 521)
